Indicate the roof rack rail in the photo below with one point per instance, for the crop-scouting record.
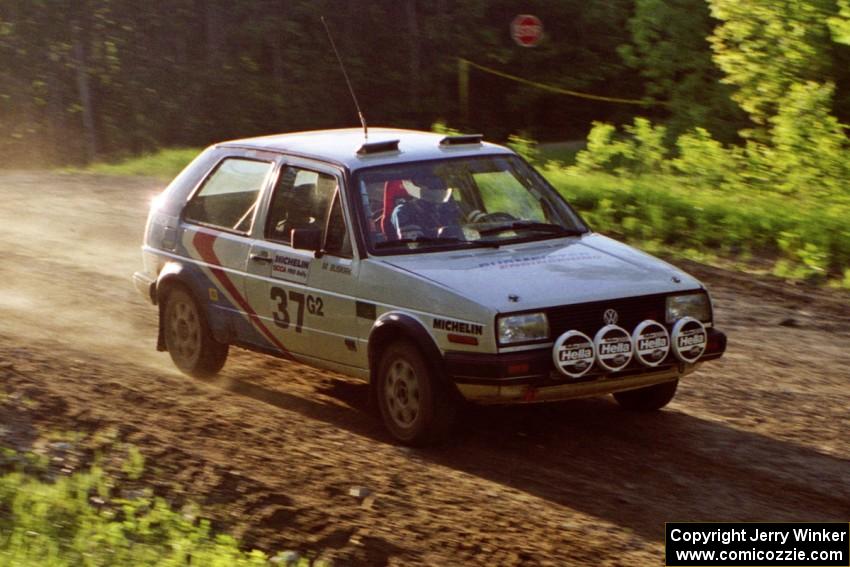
(378, 147)
(460, 139)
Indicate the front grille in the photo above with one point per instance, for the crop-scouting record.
(587, 317)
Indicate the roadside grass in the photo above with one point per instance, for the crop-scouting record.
(563, 153)
(96, 518)
(799, 239)
(164, 164)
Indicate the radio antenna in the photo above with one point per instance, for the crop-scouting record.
(347, 81)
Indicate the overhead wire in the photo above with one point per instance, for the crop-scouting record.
(559, 90)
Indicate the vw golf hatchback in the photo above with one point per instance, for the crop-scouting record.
(437, 268)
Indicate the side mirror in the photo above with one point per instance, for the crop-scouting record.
(307, 239)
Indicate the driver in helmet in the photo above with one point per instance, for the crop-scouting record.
(431, 212)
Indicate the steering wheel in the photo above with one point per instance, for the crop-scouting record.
(479, 217)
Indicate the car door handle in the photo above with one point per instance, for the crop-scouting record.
(260, 258)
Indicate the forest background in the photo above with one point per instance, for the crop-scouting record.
(735, 144)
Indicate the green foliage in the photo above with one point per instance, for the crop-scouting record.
(164, 164)
(804, 260)
(669, 48)
(649, 153)
(604, 152)
(809, 150)
(440, 127)
(76, 521)
(134, 466)
(643, 149)
(524, 145)
(783, 193)
(839, 24)
(764, 47)
(807, 240)
(705, 162)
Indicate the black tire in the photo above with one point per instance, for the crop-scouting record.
(416, 407)
(650, 398)
(188, 337)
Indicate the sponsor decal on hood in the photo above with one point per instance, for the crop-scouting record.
(543, 274)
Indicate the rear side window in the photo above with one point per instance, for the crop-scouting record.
(228, 197)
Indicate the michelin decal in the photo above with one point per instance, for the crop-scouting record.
(290, 268)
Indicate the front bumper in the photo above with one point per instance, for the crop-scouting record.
(531, 376)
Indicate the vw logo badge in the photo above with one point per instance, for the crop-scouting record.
(610, 317)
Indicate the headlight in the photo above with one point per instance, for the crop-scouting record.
(523, 328)
(691, 305)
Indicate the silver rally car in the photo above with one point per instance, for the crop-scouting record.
(437, 268)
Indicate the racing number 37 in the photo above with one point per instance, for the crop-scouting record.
(313, 303)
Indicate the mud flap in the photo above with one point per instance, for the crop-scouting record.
(160, 337)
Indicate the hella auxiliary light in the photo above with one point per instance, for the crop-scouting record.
(523, 328)
(694, 305)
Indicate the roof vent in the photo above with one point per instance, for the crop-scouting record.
(462, 139)
(378, 147)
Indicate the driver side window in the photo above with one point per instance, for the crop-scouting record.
(301, 199)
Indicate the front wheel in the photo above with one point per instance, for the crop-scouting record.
(188, 337)
(416, 408)
(650, 398)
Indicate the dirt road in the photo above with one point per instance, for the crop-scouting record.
(270, 450)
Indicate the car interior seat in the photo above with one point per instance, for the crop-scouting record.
(394, 193)
(294, 210)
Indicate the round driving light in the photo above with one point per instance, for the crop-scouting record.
(689, 339)
(613, 347)
(651, 342)
(573, 354)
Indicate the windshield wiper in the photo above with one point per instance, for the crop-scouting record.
(422, 240)
(532, 225)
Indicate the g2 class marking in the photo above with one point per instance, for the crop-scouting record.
(314, 304)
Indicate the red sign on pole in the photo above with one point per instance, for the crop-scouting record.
(527, 30)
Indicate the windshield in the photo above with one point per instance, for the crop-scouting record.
(465, 202)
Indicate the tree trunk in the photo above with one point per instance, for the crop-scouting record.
(56, 116)
(415, 67)
(214, 34)
(84, 92)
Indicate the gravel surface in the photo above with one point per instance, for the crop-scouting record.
(287, 457)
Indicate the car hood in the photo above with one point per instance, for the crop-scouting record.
(552, 272)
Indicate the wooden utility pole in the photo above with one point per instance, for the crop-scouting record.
(84, 91)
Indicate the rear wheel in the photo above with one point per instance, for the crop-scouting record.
(188, 337)
(650, 398)
(415, 406)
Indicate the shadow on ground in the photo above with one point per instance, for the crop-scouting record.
(633, 470)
